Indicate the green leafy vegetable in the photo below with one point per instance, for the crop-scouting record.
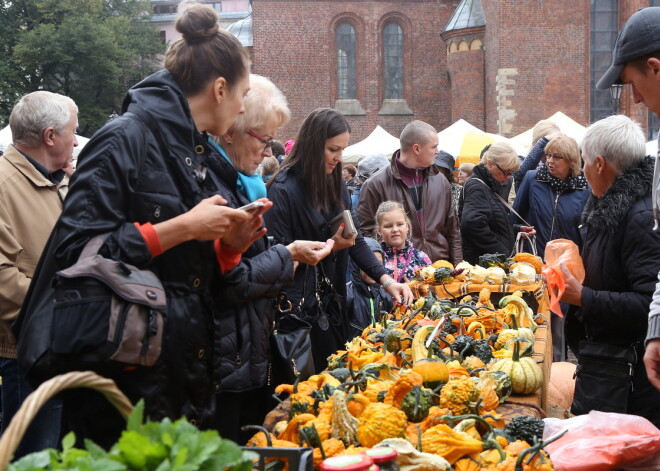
(145, 446)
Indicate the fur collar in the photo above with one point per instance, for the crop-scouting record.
(609, 211)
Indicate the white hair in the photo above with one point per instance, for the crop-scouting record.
(618, 139)
(262, 101)
(37, 111)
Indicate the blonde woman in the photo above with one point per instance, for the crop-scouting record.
(486, 224)
(552, 199)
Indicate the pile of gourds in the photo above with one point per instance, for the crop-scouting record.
(433, 374)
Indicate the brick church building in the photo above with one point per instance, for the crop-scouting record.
(502, 65)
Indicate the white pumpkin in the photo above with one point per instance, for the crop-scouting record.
(495, 275)
(523, 274)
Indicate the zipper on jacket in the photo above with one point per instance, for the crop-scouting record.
(554, 216)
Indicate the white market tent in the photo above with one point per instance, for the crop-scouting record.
(567, 125)
(451, 138)
(465, 141)
(378, 142)
(6, 140)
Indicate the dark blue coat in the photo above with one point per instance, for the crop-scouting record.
(554, 216)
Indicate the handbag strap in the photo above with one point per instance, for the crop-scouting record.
(519, 245)
(502, 200)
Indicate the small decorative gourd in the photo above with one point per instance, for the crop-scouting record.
(459, 395)
(380, 421)
(526, 376)
(449, 444)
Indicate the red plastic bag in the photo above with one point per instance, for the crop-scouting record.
(561, 252)
(603, 441)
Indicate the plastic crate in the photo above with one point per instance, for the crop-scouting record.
(298, 459)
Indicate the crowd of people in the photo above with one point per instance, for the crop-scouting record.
(164, 184)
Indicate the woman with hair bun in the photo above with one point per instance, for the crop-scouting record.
(145, 181)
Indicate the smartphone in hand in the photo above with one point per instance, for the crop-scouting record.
(251, 207)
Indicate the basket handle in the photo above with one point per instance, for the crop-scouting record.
(30, 407)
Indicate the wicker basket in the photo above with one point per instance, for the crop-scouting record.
(77, 379)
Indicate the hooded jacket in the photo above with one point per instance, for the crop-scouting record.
(486, 225)
(440, 236)
(621, 255)
(142, 167)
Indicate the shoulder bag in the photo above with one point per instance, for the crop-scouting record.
(105, 311)
(604, 377)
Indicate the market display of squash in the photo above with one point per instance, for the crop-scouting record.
(431, 375)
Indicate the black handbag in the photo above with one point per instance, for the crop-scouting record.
(291, 346)
(603, 377)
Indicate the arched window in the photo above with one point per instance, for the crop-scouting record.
(393, 55)
(346, 61)
(604, 16)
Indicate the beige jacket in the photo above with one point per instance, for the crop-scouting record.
(29, 207)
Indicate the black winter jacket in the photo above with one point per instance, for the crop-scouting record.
(486, 225)
(142, 170)
(364, 302)
(621, 255)
(292, 218)
(246, 302)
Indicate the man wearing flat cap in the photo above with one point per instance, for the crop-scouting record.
(636, 61)
(622, 274)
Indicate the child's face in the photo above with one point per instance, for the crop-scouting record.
(393, 228)
(366, 278)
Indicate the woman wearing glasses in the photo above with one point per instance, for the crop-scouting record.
(246, 294)
(486, 224)
(552, 199)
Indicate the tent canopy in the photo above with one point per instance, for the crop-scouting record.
(6, 140)
(465, 142)
(378, 142)
(567, 125)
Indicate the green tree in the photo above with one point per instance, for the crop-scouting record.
(90, 50)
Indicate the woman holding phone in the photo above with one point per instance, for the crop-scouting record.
(247, 292)
(308, 192)
(146, 181)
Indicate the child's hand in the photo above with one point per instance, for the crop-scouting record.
(400, 292)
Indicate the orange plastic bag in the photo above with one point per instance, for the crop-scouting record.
(603, 441)
(561, 252)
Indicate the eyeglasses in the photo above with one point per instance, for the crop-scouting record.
(506, 174)
(267, 142)
(553, 156)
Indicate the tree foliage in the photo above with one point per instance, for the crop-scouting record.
(90, 50)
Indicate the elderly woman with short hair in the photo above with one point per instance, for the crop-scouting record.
(486, 225)
(247, 292)
(552, 199)
(621, 255)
